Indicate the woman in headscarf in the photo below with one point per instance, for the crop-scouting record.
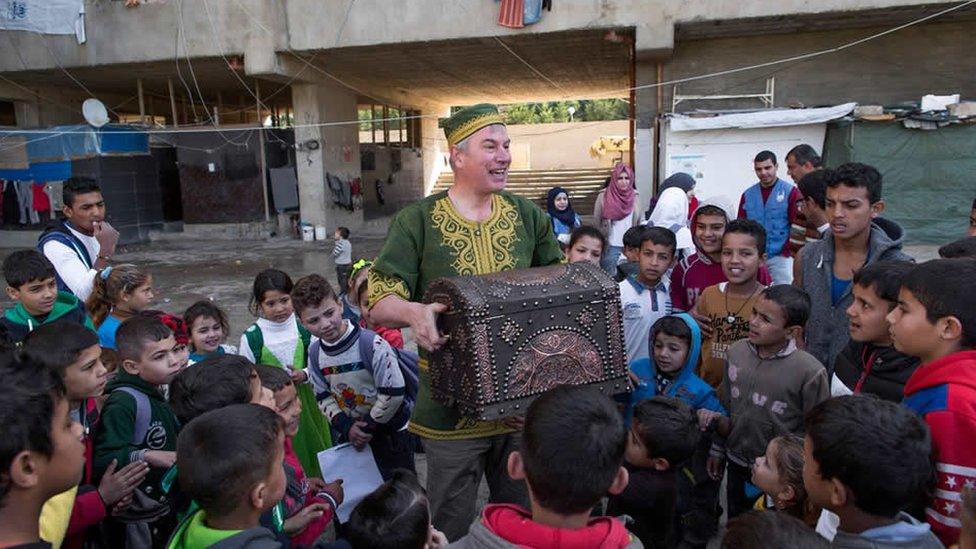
(564, 218)
(682, 181)
(671, 212)
(616, 211)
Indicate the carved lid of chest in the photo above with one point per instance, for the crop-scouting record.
(520, 291)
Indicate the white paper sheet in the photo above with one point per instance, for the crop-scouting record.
(358, 471)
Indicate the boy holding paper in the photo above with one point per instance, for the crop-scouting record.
(364, 399)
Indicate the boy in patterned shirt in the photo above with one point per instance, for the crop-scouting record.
(363, 399)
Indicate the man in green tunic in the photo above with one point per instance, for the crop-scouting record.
(475, 227)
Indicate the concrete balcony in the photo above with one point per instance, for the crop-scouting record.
(150, 33)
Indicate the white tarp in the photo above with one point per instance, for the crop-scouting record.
(721, 160)
(43, 16)
(761, 119)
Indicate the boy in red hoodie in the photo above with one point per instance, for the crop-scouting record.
(72, 352)
(935, 320)
(571, 456)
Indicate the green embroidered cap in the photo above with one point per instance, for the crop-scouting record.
(469, 120)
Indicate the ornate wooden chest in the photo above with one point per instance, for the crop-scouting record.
(516, 334)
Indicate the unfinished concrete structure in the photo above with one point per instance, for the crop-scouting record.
(314, 63)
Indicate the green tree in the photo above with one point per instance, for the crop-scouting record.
(586, 110)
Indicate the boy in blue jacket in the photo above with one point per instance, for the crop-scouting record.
(675, 343)
(675, 346)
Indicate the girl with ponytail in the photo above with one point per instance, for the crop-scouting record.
(119, 292)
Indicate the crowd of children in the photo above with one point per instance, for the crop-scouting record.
(128, 427)
(760, 365)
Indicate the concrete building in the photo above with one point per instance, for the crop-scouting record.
(316, 64)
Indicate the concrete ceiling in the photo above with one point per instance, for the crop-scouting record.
(573, 65)
(580, 64)
(212, 76)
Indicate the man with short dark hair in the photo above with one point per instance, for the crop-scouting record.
(801, 160)
(774, 203)
(811, 221)
(83, 243)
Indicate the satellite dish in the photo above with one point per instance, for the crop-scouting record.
(95, 113)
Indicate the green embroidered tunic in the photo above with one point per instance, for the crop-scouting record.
(428, 240)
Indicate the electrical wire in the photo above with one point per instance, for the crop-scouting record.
(529, 65)
(57, 61)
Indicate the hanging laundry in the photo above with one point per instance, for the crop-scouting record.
(533, 12)
(355, 188)
(341, 191)
(512, 14)
(10, 203)
(25, 203)
(335, 187)
(42, 204)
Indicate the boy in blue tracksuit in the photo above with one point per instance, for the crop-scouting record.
(675, 345)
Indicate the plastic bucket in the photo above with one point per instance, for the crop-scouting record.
(308, 233)
(320, 232)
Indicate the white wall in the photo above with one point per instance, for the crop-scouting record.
(721, 160)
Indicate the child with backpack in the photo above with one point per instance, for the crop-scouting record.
(137, 424)
(279, 340)
(357, 377)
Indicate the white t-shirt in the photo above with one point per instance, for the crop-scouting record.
(617, 230)
(642, 307)
(72, 270)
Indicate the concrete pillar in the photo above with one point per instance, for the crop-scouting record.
(654, 46)
(337, 151)
(433, 146)
(645, 149)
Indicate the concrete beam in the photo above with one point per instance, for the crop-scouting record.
(371, 22)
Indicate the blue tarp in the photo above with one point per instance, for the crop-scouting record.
(40, 171)
(50, 152)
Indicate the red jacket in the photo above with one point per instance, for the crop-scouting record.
(393, 336)
(89, 509)
(502, 524)
(944, 393)
(307, 537)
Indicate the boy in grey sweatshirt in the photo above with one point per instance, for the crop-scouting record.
(769, 385)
